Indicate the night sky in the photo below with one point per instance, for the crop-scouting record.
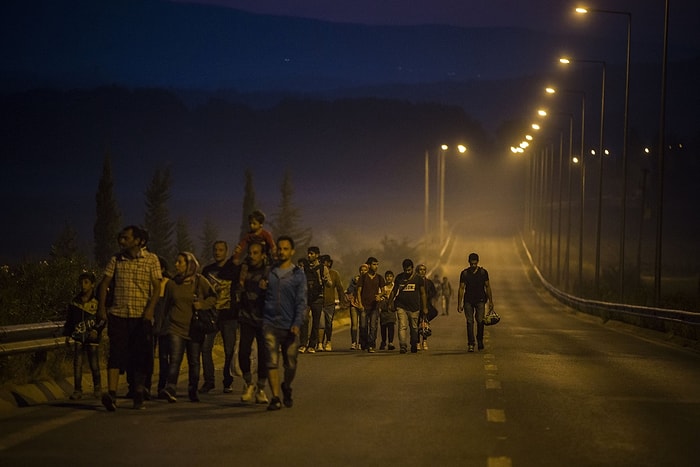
(40, 44)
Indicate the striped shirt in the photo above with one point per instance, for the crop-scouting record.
(132, 282)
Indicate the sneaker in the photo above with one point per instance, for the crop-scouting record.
(403, 349)
(261, 397)
(310, 350)
(319, 347)
(328, 347)
(287, 395)
(425, 345)
(192, 393)
(470, 348)
(109, 402)
(382, 345)
(206, 387)
(390, 346)
(370, 350)
(353, 346)
(168, 395)
(228, 389)
(138, 401)
(302, 349)
(248, 394)
(275, 404)
(77, 395)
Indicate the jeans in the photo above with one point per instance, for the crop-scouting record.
(328, 312)
(245, 347)
(93, 358)
(163, 361)
(387, 332)
(178, 346)
(304, 331)
(472, 310)
(316, 309)
(407, 319)
(284, 341)
(354, 323)
(369, 322)
(228, 329)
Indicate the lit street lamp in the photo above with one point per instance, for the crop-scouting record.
(624, 142)
(600, 166)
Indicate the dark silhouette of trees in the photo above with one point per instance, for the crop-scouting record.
(287, 219)
(107, 216)
(183, 241)
(249, 203)
(157, 219)
(210, 234)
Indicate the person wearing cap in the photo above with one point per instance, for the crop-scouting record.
(474, 293)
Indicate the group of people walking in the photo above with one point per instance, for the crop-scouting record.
(277, 307)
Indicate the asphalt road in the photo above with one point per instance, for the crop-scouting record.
(552, 388)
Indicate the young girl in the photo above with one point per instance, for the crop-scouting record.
(85, 330)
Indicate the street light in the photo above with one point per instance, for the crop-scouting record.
(576, 160)
(461, 149)
(600, 167)
(621, 268)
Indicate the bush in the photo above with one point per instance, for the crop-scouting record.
(36, 291)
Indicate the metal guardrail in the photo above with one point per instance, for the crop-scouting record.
(684, 324)
(27, 338)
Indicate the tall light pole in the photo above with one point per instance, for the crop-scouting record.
(581, 161)
(621, 267)
(426, 211)
(441, 181)
(601, 154)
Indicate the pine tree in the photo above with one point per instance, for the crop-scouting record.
(183, 241)
(288, 217)
(107, 216)
(157, 220)
(210, 234)
(249, 204)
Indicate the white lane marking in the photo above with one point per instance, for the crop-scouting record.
(493, 384)
(496, 415)
(36, 430)
(499, 462)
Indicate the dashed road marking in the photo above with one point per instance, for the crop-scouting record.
(499, 462)
(496, 415)
(493, 384)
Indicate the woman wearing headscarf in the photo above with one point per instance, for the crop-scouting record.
(188, 290)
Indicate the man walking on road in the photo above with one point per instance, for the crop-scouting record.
(134, 275)
(474, 293)
(285, 305)
(410, 299)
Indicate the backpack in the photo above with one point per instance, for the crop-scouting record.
(314, 282)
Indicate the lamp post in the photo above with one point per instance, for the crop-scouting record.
(441, 165)
(662, 143)
(621, 267)
(580, 160)
(600, 166)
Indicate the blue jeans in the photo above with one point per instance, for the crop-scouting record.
(354, 323)
(369, 324)
(407, 319)
(328, 312)
(178, 346)
(93, 358)
(475, 311)
(282, 341)
(309, 331)
(248, 333)
(228, 329)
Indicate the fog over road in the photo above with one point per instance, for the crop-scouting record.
(552, 388)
